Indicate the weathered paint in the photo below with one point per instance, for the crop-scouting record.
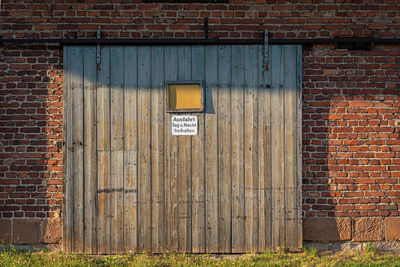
(132, 186)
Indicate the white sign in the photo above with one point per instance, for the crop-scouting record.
(184, 125)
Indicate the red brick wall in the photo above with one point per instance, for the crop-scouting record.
(351, 126)
(351, 102)
(239, 19)
(30, 125)
(351, 143)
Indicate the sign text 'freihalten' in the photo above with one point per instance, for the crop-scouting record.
(184, 125)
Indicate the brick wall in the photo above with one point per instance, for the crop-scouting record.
(31, 124)
(351, 141)
(239, 19)
(351, 104)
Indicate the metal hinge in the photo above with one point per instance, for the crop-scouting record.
(266, 50)
(98, 50)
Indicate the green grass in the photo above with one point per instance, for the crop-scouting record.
(369, 257)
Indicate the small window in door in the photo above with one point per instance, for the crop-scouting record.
(185, 97)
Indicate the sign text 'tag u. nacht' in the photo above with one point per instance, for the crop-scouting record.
(184, 125)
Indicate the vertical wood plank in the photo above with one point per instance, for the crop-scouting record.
(184, 163)
(224, 149)
(144, 148)
(90, 149)
(281, 165)
(265, 232)
(238, 162)
(211, 149)
(130, 149)
(289, 85)
(157, 148)
(67, 155)
(255, 151)
(77, 66)
(277, 145)
(251, 175)
(103, 154)
(198, 201)
(262, 129)
(299, 163)
(171, 168)
(117, 146)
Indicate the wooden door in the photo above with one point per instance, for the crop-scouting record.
(131, 186)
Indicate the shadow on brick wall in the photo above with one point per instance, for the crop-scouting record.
(351, 145)
(31, 126)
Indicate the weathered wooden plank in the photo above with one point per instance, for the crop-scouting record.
(255, 151)
(265, 157)
(262, 149)
(117, 153)
(157, 148)
(198, 201)
(144, 148)
(299, 163)
(282, 163)
(184, 163)
(90, 189)
(67, 155)
(130, 149)
(238, 162)
(289, 85)
(211, 149)
(103, 154)
(251, 175)
(77, 146)
(277, 154)
(224, 150)
(171, 167)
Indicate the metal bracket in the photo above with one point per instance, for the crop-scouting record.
(266, 50)
(59, 145)
(98, 50)
(206, 27)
